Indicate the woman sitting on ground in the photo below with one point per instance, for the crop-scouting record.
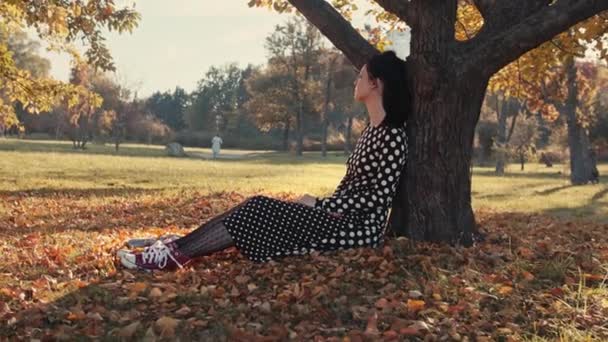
(264, 228)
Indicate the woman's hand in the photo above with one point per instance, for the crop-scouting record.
(307, 200)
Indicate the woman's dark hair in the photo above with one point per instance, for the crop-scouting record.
(391, 70)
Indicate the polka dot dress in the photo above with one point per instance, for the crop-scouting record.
(355, 215)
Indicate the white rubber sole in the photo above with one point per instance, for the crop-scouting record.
(126, 261)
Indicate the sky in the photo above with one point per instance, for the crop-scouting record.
(175, 44)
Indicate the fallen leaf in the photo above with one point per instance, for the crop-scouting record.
(137, 288)
(242, 279)
(183, 311)
(505, 290)
(155, 293)
(415, 305)
(129, 330)
(372, 325)
(166, 326)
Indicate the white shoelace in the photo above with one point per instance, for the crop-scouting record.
(158, 253)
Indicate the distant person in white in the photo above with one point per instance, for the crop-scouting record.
(216, 143)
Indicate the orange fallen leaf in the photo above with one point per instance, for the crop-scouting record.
(415, 305)
(137, 288)
(505, 290)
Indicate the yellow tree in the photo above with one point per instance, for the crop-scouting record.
(271, 103)
(295, 47)
(539, 81)
(448, 70)
(58, 23)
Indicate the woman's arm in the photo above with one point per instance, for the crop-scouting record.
(391, 157)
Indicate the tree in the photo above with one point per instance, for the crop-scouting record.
(295, 47)
(59, 23)
(505, 107)
(570, 90)
(271, 103)
(540, 81)
(169, 107)
(80, 113)
(216, 99)
(522, 140)
(448, 71)
(338, 89)
(24, 53)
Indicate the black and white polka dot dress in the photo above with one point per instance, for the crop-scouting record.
(355, 215)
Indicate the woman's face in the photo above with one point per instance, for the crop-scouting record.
(364, 86)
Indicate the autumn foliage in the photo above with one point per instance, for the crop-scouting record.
(533, 275)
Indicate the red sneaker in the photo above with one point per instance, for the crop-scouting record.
(156, 257)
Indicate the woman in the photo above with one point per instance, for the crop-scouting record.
(264, 228)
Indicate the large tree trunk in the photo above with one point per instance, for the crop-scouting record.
(434, 198)
(581, 163)
(434, 202)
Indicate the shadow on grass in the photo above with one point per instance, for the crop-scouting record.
(525, 174)
(599, 195)
(78, 193)
(592, 211)
(552, 190)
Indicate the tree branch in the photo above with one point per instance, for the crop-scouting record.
(498, 45)
(400, 8)
(484, 6)
(339, 31)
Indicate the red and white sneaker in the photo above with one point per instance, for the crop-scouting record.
(159, 256)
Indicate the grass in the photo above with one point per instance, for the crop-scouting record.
(50, 165)
(63, 214)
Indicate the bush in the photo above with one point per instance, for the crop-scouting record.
(150, 130)
(554, 156)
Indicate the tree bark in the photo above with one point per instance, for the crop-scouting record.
(300, 129)
(510, 107)
(581, 163)
(348, 130)
(324, 139)
(501, 136)
(434, 199)
(326, 110)
(286, 134)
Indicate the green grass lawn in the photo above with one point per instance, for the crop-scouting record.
(51, 165)
(64, 213)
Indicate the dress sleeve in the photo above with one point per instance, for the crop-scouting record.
(391, 156)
